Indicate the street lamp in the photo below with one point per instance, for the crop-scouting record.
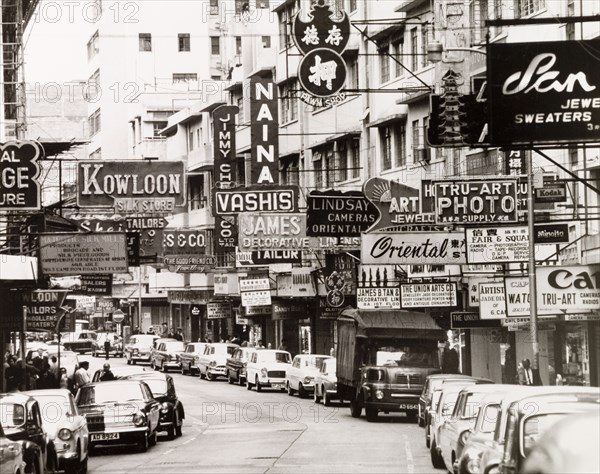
(435, 51)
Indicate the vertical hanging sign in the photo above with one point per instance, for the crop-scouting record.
(264, 131)
(224, 172)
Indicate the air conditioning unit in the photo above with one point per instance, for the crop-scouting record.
(422, 155)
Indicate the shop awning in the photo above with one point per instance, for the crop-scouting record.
(380, 322)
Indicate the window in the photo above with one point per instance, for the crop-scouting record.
(93, 46)
(241, 6)
(184, 77)
(289, 102)
(94, 123)
(262, 3)
(238, 45)
(570, 27)
(145, 42)
(266, 41)
(289, 174)
(96, 155)
(92, 91)
(354, 172)
(384, 64)
(416, 142)
(352, 69)
(197, 188)
(385, 139)
(424, 41)
(529, 7)
(397, 46)
(214, 7)
(478, 13)
(573, 156)
(286, 17)
(157, 127)
(184, 42)
(351, 5)
(215, 45)
(414, 50)
(190, 140)
(400, 137)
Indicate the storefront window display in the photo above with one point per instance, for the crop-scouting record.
(576, 357)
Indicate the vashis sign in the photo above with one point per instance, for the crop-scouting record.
(131, 186)
(413, 248)
(543, 92)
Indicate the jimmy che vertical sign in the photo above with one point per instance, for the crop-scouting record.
(224, 172)
(264, 131)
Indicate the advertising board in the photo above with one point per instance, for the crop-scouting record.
(256, 199)
(428, 295)
(218, 310)
(378, 298)
(264, 131)
(492, 303)
(19, 171)
(266, 231)
(336, 213)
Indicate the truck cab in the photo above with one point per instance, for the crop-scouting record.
(384, 358)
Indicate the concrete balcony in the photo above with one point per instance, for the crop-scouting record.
(151, 147)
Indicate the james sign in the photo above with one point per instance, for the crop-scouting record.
(543, 92)
(19, 169)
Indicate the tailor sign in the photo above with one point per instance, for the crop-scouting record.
(131, 186)
(476, 201)
(19, 170)
(336, 213)
(256, 199)
(543, 92)
(44, 307)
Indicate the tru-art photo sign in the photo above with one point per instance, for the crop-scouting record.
(19, 170)
(544, 92)
(322, 39)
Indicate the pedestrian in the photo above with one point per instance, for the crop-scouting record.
(107, 347)
(179, 334)
(82, 377)
(107, 373)
(525, 373)
(13, 374)
(449, 360)
(64, 379)
(136, 330)
(283, 346)
(53, 371)
(150, 330)
(165, 330)
(259, 344)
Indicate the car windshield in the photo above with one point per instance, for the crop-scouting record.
(111, 392)
(192, 348)
(174, 346)
(144, 340)
(447, 402)
(405, 353)
(535, 427)
(157, 386)
(472, 406)
(54, 409)
(12, 415)
(315, 362)
(282, 357)
(435, 399)
(490, 416)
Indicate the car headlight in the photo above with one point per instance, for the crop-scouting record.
(494, 469)
(64, 434)
(245, 364)
(139, 419)
(378, 394)
(212, 363)
(263, 372)
(308, 379)
(474, 465)
(464, 436)
(164, 407)
(196, 359)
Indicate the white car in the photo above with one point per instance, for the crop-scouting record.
(301, 375)
(139, 348)
(326, 383)
(189, 359)
(213, 363)
(268, 368)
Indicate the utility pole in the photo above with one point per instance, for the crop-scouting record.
(533, 327)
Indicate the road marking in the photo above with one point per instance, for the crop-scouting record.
(410, 467)
(189, 440)
(168, 451)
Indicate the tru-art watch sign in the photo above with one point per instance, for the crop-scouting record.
(322, 39)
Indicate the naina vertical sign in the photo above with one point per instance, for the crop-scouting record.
(264, 131)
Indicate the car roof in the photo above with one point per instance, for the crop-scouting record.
(550, 399)
(110, 382)
(304, 356)
(449, 376)
(48, 391)
(20, 397)
(148, 375)
(487, 388)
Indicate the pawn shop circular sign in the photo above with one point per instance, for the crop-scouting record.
(322, 72)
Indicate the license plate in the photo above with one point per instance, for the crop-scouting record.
(408, 406)
(277, 386)
(103, 436)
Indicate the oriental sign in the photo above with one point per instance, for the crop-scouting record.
(131, 186)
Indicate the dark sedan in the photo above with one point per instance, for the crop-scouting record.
(171, 408)
(120, 412)
(236, 364)
(166, 355)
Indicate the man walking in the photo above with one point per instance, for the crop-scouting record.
(107, 347)
(81, 375)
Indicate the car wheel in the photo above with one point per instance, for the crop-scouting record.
(200, 374)
(302, 393)
(355, 407)
(371, 413)
(258, 387)
(290, 390)
(153, 439)
(248, 385)
(428, 436)
(143, 445)
(152, 366)
(242, 381)
(209, 376)
(316, 397)
(229, 379)
(133, 362)
(326, 399)
(171, 430)
(179, 427)
(128, 361)
(420, 422)
(183, 371)
(164, 368)
(83, 466)
(32, 468)
(74, 467)
(436, 460)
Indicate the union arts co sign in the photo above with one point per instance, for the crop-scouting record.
(544, 92)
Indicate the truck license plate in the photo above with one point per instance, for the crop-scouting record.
(277, 386)
(103, 436)
(408, 406)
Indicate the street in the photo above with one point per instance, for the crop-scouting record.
(230, 429)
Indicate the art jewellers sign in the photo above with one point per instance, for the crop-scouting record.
(543, 92)
(476, 201)
(256, 199)
(336, 213)
(398, 204)
(428, 295)
(19, 170)
(75, 254)
(413, 248)
(131, 186)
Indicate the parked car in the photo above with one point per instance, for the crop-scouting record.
(121, 372)
(22, 422)
(157, 342)
(435, 382)
(166, 356)
(326, 383)
(120, 412)
(68, 359)
(212, 363)
(172, 413)
(11, 455)
(525, 426)
(139, 348)
(190, 357)
(491, 457)
(268, 368)
(116, 345)
(236, 364)
(300, 377)
(455, 430)
(571, 445)
(65, 428)
(482, 434)
(79, 342)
